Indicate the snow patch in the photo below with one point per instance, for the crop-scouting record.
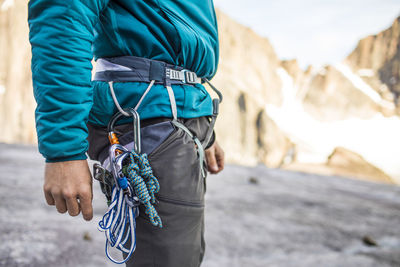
(366, 72)
(6, 5)
(375, 139)
(363, 86)
(288, 88)
(2, 89)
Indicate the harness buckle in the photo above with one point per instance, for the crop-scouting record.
(175, 75)
(190, 77)
(184, 76)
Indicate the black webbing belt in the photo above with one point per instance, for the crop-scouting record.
(136, 69)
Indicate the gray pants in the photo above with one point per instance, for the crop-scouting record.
(180, 243)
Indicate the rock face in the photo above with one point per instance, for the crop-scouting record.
(16, 96)
(366, 83)
(345, 163)
(332, 96)
(377, 59)
(351, 94)
(348, 163)
(248, 79)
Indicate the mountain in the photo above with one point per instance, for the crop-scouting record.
(352, 105)
(373, 69)
(248, 78)
(310, 116)
(377, 60)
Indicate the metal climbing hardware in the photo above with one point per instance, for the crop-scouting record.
(135, 69)
(127, 182)
(191, 77)
(185, 76)
(126, 177)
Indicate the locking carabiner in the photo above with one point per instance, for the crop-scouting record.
(117, 152)
(136, 128)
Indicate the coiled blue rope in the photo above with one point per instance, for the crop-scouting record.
(145, 185)
(119, 222)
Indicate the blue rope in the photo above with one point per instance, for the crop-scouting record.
(145, 184)
(119, 222)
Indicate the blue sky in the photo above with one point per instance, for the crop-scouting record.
(313, 31)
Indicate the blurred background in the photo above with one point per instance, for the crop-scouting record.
(312, 85)
(309, 87)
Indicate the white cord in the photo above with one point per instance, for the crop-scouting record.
(116, 101)
(119, 224)
(172, 102)
(111, 84)
(144, 94)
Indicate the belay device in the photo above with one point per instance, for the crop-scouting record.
(127, 180)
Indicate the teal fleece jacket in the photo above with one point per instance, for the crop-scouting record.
(66, 35)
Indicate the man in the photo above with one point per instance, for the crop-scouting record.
(72, 110)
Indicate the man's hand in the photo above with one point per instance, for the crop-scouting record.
(215, 158)
(68, 185)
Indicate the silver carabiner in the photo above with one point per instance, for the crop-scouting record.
(118, 153)
(136, 131)
(136, 128)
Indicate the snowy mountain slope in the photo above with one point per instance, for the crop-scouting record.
(376, 138)
(379, 54)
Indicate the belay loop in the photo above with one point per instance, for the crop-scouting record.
(133, 184)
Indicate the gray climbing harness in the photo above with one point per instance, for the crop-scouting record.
(125, 176)
(136, 69)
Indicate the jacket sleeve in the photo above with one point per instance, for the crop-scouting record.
(61, 34)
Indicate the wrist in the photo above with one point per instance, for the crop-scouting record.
(81, 156)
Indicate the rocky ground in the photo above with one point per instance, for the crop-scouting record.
(255, 217)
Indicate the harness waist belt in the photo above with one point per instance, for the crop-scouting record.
(137, 69)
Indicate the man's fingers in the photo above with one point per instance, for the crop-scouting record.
(215, 158)
(60, 203)
(72, 205)
(48, 196)
(219, 154)
(211, 160)
(85, 200)
(68, 185)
